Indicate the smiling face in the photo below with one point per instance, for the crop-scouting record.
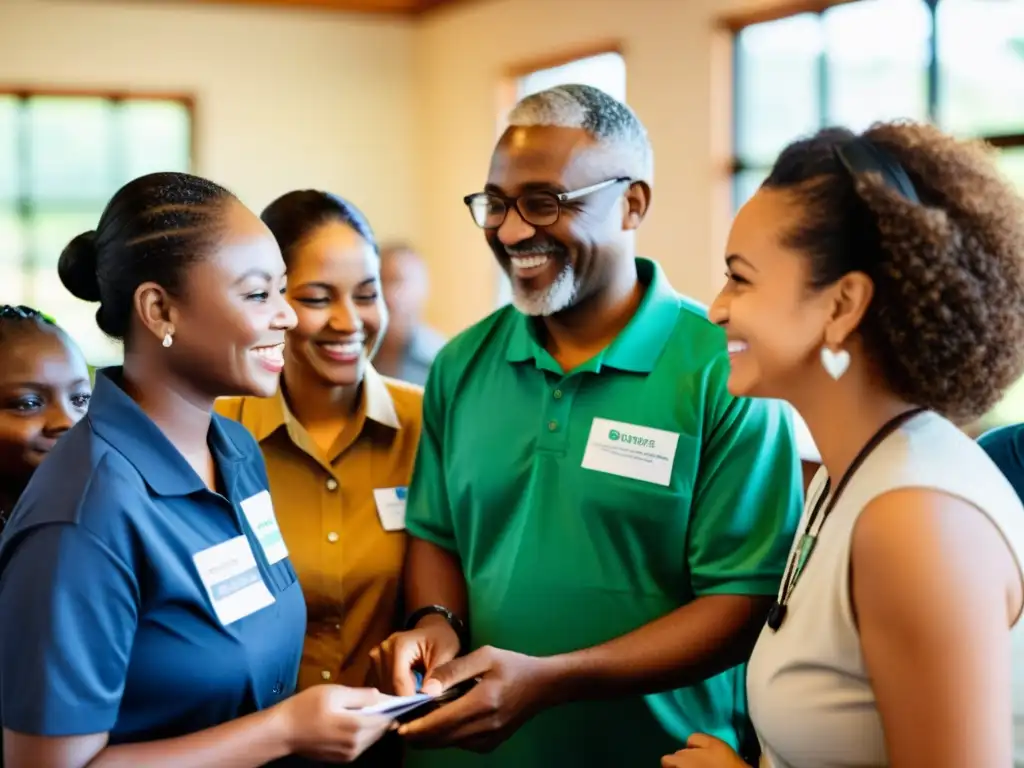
(334, 286)
(775, 322)
(553, 268)
(230, 327)
(44, 391)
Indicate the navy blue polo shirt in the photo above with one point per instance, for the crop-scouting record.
(136, 601)
(1005, 446)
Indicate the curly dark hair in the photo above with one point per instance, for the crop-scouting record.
(946, 323)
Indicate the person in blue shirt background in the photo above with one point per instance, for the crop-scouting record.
(1005, 446)
(44, 390)
(150, 613)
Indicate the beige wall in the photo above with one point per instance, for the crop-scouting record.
(285, 99)
(677, 81)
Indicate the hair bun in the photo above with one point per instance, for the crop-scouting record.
(77, 267)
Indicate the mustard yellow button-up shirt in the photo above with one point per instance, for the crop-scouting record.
(348, 565)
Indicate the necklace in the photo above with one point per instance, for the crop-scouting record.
(809, 538)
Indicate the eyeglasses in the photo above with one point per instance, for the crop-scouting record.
(539, 209)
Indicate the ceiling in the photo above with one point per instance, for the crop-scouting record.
(398, 7)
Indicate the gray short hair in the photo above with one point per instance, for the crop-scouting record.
(607, 119)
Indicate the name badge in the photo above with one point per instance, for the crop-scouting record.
(391, 507)
(259, 511)
(232, 580)
(628, 450)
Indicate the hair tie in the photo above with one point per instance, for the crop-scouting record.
(861, 155)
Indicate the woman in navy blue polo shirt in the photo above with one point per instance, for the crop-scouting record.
(149, 613)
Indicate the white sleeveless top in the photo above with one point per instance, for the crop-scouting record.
(809, 695)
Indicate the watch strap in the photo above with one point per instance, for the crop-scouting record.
(457, 624)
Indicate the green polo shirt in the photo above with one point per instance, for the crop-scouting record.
(584, 505)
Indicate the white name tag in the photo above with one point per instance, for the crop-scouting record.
(628, 450)
(259, 511)
(232, 580)
(390, 508)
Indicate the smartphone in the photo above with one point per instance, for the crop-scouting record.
(453, 693)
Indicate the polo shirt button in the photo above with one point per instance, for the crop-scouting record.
(558, 394)
(332, 484)
(278, 687)
(552, 426)
(325, 675)
(332, 537)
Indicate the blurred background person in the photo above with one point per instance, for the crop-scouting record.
(409, 348)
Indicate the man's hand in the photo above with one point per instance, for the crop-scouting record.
(511, 689)
(703, 751)
(432, 643)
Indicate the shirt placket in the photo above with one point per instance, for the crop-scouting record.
(332, 543)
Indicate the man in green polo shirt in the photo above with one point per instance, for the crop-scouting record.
(595, 521)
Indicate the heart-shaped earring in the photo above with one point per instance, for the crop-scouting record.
(835, 363)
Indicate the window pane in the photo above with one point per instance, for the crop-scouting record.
(70, 148)
(745, 184)
(606, 71)
(878, 53)
(156, 136)
(78, 318)
(12, 283)
(1011, 161)
(981, 51)
(777, 85)
(49, 232)
(9, 170)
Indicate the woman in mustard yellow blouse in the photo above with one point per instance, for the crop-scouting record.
(339, 440)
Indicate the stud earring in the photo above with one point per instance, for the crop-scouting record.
(168, 339)
(835, 363)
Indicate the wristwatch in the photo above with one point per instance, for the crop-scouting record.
(461, 631)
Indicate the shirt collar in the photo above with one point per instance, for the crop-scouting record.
(263, 416)
(116, 418)
(637, 347)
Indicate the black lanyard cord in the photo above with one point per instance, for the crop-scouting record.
(825, 501)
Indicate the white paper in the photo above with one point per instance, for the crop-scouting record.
(390, 508)
(630, 450)
(259, 511)
(232, 580)
(395, 705)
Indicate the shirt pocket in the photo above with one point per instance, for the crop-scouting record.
(282, 575)
(641, 527)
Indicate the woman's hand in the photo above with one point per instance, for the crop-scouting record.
(320, 722)
(703, 751)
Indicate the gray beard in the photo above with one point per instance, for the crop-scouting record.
(547, 301)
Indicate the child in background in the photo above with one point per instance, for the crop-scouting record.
(44, 391)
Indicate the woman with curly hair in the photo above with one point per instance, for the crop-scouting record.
(875, 282)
